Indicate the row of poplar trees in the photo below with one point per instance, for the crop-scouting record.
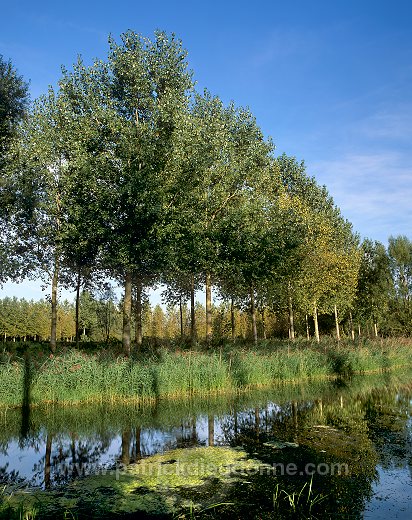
(126, 171)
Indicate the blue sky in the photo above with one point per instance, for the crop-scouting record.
(330, 81)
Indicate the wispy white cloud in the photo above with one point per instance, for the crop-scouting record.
(389, 123)
(374, 191)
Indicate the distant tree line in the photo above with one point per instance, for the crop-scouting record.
(125, 171)
(101, 321)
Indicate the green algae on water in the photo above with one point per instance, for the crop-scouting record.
(160, 484)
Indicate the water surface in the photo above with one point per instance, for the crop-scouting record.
(350, 441)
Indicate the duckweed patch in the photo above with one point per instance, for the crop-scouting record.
(163, 484)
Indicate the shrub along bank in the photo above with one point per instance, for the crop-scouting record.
(75, 376)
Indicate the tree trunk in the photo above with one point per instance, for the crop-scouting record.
(253, 313)
(108, 320)
(232, 319)
(127, 313)
(320, 403)
(291, 319)
(337, 324)
(307, 327)
(208, 308)
(192, 310)
(263, 322)
(315, 319)
(53, 332)
(375, 329)
(78, 283)
(138, 317)
(352, 332)
(181, 317)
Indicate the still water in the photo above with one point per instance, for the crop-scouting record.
(337, 449)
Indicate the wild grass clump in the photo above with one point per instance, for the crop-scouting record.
(298, 503)
(369, 356)
(298, 365)
(190, 372)
(11, 382)
(365, 360)
(398, 353)
(73, 377)
(250, 369)
(125, 379)
(78, 377)
(307, 364)
(254, 369)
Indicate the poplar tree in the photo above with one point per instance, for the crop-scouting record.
(14, 100)
(219, 153)
(325, 276)
(400, 256)
(126, 108)
(41, 167)
(375, 285)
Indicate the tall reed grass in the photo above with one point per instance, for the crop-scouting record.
(76, 377)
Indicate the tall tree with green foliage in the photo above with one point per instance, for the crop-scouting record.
(177, 292)
(218, 156)
(400, 256)
(255, 246)
(375, 286)
(328, 258)
(14, 100)
(38, 181)
(132, 100)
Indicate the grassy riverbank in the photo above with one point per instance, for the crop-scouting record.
(74, 376)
